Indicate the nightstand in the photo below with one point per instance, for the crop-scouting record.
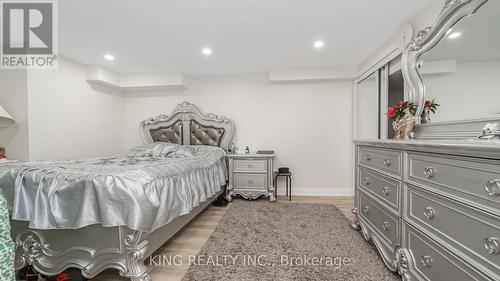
(251, 176)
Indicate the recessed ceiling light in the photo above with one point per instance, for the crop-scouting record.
(109, 57)
(454, 35)
(206, 51)
(319, 44)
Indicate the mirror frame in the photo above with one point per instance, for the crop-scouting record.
(452, 12)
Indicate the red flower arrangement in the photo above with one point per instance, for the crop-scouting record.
(398, 110)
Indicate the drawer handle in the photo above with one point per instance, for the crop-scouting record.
(250, 181)
(493, 187)
(426, 261)
(250, 166)
(366, 181)
(385, 191)
(429, 213)
(492, 245)
(429, 172)
(366, 210)
(368, 157)
(387, 162)
(386, 226)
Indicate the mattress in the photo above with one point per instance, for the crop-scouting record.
(143, 189)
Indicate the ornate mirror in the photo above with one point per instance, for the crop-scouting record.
(456, 63)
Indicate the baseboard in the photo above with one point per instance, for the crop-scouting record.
(317, 191)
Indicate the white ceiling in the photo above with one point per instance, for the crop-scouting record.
(246, 36)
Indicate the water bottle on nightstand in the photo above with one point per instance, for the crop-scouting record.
(232, 148)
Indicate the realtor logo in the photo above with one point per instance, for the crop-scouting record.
(28, 34)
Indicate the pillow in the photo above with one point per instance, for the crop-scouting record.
(173, 150)
(141, 150)
(184, 151)
(163, 149)
(153, 149)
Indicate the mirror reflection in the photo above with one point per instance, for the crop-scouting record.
(367, 119)
(462, 72)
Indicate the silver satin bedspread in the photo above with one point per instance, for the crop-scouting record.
(137, 190)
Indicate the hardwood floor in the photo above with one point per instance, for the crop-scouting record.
(191, 239)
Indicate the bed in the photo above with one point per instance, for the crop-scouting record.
(114, 212)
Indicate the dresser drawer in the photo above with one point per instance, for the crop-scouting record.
(472, 180)
(380, 218)
(384, 188)
(434, 262)
(250, 166)
(250, 180)
(381, 159)
(473, 232)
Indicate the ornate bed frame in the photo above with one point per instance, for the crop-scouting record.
(96, 248)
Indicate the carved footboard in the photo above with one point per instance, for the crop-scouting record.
(91, 249)
(94, 248)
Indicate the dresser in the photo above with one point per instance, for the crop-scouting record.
(251, 176)
(432, 208)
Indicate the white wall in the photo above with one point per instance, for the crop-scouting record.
(307, 124)
(69, 119)
(13, 97)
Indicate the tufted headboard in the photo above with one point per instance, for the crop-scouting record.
(188, 125)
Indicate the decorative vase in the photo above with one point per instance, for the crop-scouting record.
(425, 118)
(397, 134)
(407, 130)
(403, 128)
(407, 125)
(397, 129)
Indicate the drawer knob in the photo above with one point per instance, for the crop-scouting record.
(250, 166)
(385, 191)
(366, 210)
(387, 162)
(429, 172)
(426, 261)
(366, 181)
(250, 181)
(492, 245)
(386, 226)
(368, 157)
(493, 187)
(429, 213)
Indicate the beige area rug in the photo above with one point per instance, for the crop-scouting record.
(260, 240)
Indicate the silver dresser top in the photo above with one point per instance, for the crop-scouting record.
(475, 148)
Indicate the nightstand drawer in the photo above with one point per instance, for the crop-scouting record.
(250, 180)
(250, 166)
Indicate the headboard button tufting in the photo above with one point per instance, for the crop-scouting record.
(188, 121)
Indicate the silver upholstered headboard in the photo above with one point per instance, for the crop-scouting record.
(188, 125)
